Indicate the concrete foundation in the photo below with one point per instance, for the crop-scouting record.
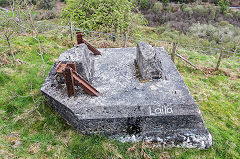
(161, 111)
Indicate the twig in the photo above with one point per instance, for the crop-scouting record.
(34, 101)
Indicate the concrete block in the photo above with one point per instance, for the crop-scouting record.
(148, 62)
(83, 58)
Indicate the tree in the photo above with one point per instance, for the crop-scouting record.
(24, 19)
(8, 30)
(144, 4)
(104, 15)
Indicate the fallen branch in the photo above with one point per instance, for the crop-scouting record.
(4, 9)
(20, 62)
(186, 60)
(35, 102)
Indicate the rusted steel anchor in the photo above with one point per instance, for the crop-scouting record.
(72, 78)
(80, 40)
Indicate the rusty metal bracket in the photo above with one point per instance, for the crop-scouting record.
(60, 67)
(68, 71)
(84, 84)
(72, 78)
(80, 40)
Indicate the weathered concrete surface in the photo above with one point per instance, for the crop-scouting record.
(148, 62)
(83, 58)
(161, 111)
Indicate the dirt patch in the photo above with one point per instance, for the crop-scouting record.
(227, 72)
(231, 74)
(34, 148)
(4, 60)
(208, 70)
(235, 3)
(59, 6)
(5, 154)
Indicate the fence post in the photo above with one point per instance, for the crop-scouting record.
(173, 51)
(71, 30)
(219, 59)
(125, 40)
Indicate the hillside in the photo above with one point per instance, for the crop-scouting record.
(30, 129)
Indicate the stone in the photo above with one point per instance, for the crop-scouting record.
(159, 111)
(148, 62)
(83, 58)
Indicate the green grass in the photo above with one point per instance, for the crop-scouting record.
(44, 134)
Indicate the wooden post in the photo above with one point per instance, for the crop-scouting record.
(71, 30)
(219, 59)
(125, 40)
(173, 51)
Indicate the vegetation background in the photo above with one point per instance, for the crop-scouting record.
(34, 34)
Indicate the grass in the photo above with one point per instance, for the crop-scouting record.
(42, 133)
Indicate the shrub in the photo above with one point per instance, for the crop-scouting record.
(166, 1)
(183, 7)
(223, 23)
(200, 10)
(188, 10)
(229, 15)
(224, 32)
(212, 13)
(46, 4)
(237, 15)
(170, 35)
(3, 3)
(169, 9)
(135, 2)
(107, 15)
(144, 4)
(46, 15)
(157, 7)
(202, 30)
(224, 5)
(160, 29)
